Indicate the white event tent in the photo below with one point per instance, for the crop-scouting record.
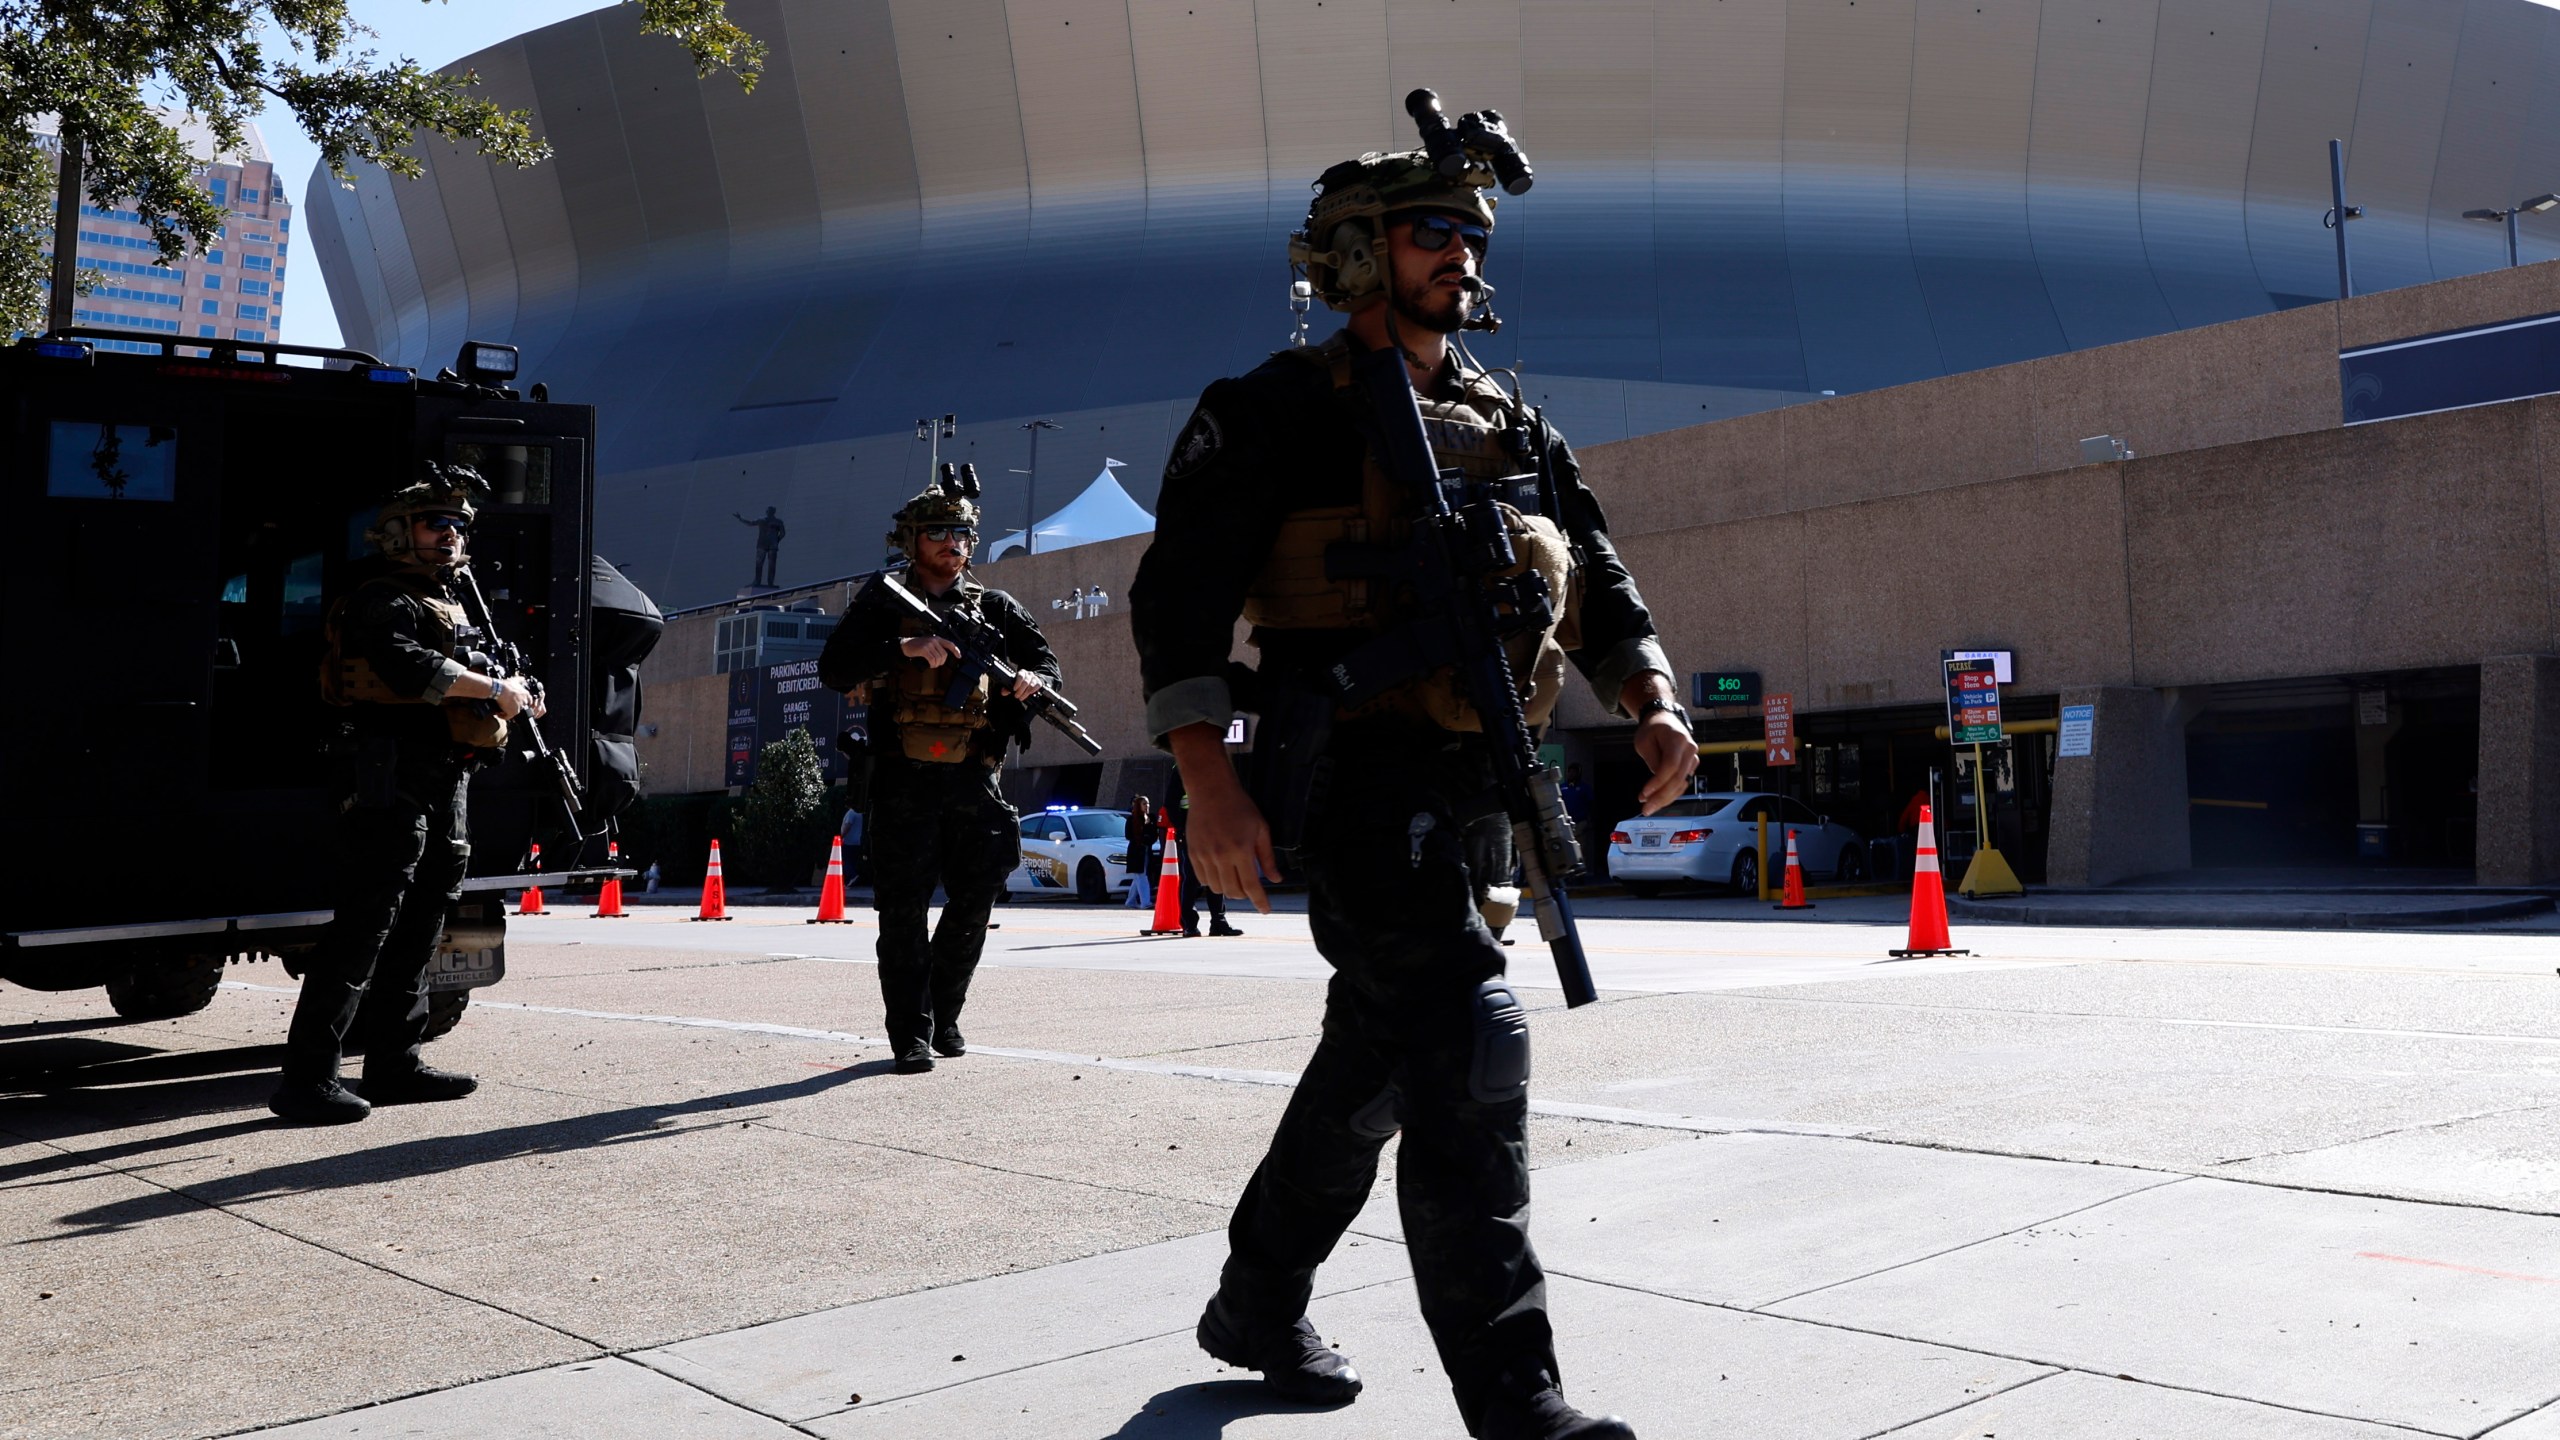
(1103, 512)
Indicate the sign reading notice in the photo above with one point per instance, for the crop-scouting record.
(2079, 729)
(1778, 721)
(1973, 702)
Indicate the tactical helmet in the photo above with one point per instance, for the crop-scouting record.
(439, 490)
(952, 499)
(1340, 246)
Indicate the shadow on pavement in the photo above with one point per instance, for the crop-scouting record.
(1203, 1411)
(381, 1165)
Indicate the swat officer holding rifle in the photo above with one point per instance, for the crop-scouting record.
(1418, 559)
(422, 710)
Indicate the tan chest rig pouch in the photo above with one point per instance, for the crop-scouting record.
(1335, 567)
(350, 679)
(938, 708)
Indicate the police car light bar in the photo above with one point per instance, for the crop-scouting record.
(482, 361)
(390, 375)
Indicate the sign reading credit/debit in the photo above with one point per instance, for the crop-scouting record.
(1724, 687)
(1973, 702)
(1778, 719)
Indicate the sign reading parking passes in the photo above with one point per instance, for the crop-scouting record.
(1778, 719)
(1973, 702)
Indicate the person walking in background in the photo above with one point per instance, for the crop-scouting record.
(1140, 860)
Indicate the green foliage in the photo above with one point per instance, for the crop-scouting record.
(781, 826)
(102, 65)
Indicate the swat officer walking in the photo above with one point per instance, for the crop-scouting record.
(938, 734)
(417, 719)
(1420, 1032)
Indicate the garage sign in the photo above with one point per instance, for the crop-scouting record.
(1778, 723)
(1973, 702)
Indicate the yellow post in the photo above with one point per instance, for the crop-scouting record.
(1989, 873)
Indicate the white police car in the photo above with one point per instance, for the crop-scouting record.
(1073, 850)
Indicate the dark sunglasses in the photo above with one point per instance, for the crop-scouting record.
(951, 535)
(1434, 232)
(454, 523)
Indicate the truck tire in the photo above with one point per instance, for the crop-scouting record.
(444, 1011)
(165, 987)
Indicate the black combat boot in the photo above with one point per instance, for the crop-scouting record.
(1221, 927)
(914, 1058)
(949, 1043)
(1545, 1416)
(1292, 1360)
(416, 1085)
(324, 1102)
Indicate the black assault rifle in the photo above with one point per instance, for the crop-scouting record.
(1453, 568)
(500, 659)
(981, 649)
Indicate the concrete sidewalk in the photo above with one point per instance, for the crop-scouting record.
(2128, 1184)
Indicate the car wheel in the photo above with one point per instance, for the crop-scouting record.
(444, 1011)
(1092, 887)
(1746, 872)
(1643, 889)
(1853, 862)
(164, 988)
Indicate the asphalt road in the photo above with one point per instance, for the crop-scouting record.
(2104, 1183)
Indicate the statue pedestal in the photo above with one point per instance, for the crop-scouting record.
(757, 592)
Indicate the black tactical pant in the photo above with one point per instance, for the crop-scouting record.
(403, 840)
(934, 824)
(1418, 1031)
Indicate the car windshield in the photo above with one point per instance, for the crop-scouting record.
(1693, 806)
(1101, 827)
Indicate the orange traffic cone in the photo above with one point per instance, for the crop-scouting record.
(831, 894)
(1168, 918)
(532, 902)
(1794, 897)
(609, 899)
(1928, 900)
(715, 895)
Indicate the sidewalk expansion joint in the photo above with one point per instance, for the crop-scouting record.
(1962, 1405)
(2410, 1129)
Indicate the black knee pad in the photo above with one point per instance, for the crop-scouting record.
(1500, 1072)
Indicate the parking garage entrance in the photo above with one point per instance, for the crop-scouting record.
(2330, 771)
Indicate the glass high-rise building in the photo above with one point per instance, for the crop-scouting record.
(233, 289)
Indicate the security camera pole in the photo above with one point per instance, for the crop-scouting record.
(2507, 217)
(1031, 488)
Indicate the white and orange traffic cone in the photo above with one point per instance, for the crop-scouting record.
(715, 894)
(1168, 917)
(609, 898)
(831, 894)
(1928, 900)
(1793, 899)
(532, 902)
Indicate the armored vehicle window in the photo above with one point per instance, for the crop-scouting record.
(95, 460)
(517, 474)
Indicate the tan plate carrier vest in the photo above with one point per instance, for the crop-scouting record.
(1468, 434)
(349, 679)
(928, 729)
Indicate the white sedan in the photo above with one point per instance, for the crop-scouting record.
(1073, 850)
(1715, 837)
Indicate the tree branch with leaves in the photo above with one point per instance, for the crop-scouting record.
(101, 72)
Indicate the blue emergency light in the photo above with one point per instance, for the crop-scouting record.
(390, 375)
(63, 349)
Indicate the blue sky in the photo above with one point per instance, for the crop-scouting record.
(432, 32)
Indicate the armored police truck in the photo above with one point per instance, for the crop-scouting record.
(181, 515)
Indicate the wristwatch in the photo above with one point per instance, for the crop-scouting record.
(1658, 705)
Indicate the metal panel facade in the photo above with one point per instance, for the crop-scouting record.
(1074, 210)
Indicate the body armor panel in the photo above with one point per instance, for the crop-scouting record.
(929, 728)
(1469, 434)
(350, 679)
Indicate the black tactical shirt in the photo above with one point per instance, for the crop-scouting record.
(863, 649)
(1282, 439)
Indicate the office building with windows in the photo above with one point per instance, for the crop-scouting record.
(232, 289)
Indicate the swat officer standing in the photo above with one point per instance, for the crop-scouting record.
(417, 719)
(1270, 479)
(938, 734)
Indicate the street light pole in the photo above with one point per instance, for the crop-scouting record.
(2507, 217)
(2340, 212)
(1031, 488)
(937, 431)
